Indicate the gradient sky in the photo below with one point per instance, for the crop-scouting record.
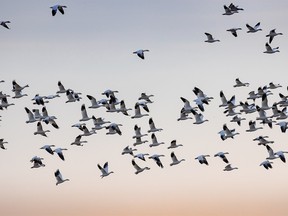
(90, 50)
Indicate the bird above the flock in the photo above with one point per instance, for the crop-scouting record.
(210, 38)
(267, 164)
(254, 29)
(153, 127)
(2, 142)
(239, 83)
(59, 177)
(60, 153)
(140, 53)
(155, 141)
(138, 168)
(234, 8)
(60, 8)
(202, 159)
(37, 162)
(234, 31)
(40, 130)
(17, 87)
(78, 141)
(104, 170)
(128, 150)
(228, 11)
(4, 24)
(272, 34)
(146, 97)
(173, 144)
(175, 161)
(156, 158)
(48, 148)
(229, 168)
(270, 50)
(222, 156)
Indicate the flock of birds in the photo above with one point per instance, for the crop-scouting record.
(112, 104)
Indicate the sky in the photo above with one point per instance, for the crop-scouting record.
(90, 49)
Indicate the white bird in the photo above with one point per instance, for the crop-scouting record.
(154, 141)
(156, 158)
(39, 100)
(229, 133)
(280, 154)
(175, 161)
(237, 119)
(50, 97)
(137, 131)
(40, 130)
(282, 114)
(262, 140)
(227, 11)
(31, 117)
(247, 108)
(17, 87)
(183, 116)
(210, 38)
(138, 113)
(37, 162)
(109, 93)
(143, 104)
(270, 50)
(113, 128)
(79, 125)
(239, 83)
(199, 118)
(262, 113)
(48, 148)
(140, 53)
(253, 96)
(86, 132)
(61, 88)
(229, 168)
(234, 31)
(267, 164)
(72, 96)
(78, 141)
(187, 107)
(60, 153)
(272, 34)
(128, 150)
(252, 126)
(202, 159)
(271, 85)
(139, 141)
(2, 142)
(141, 156)
(271, 156)
(99, 121)
(283, 126)
(253, 29)
(60, 8)
(51, 120)
(222, 156)
(84, 114)
(104, 170)
(123, 108)
(152, 126)
(4, 103)
(4, 24)
(174, 145)
(146, 97)
(59, 177)
(138, 169)
(37, 114)
(234, 8)
(94, 103)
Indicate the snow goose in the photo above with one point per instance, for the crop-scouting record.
(267, 164)
(239, 83)
(137, 131)
(229, 133)
(71, 96)
(104, 170)
(94, 103)
(141, 156)
(99, 121)
(252, 126)
(138, 169)
(128, 150)
(271, 85)
(282, 114)
(253, 96)
(113, 128)
(84, 114)
(263, 90)
(50, 120)
(5, 104)
(272, 34)
(154, 141)
(2, 142)
(17, 87)
(156, 158)
(202, 159)
(253, 29)
(60, 8)
(138, 113)
(39, 100)
(18, 94)
(262, 140)
(37, 162)
(60, 153)
(48, 148)
(50, 97)
(264, 102)
(210, 38)
(234, 31)
(140, 53)
(3, 95)
(109, 92)
(183, 115)
(37, 114)
(230, 111)
(237, 119)
(199, 118)
(222, 135)
(280, 154)
(61, 88)
(86, 132)
(31, 117)
(174, 145)
(271, 156)
(139, 141)
(229, 168)
(59, 177)
(200, 94)
(4, 24)
(224, 101)
(79, 126)
(78, 141)
(175, 161)
(247, 108)
(234, 8)
(40, 130)
(262, 113)
(143, 104)
(152, 126)
(123, 108)
(187, 107)
(222, 156)
(146, 97)
(270, 50)
(268, 121)
(283, 126)
(227, 11)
